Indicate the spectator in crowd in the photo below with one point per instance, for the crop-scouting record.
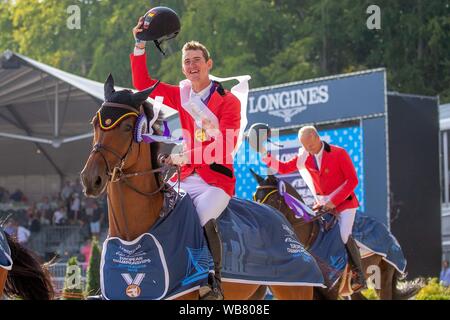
(10, 228)
(78, 187)
(35, 223)
(21, 233)
(75, 206)
(66, 192)
(96, 220)
(86, 251)
(89, 208)
(43, 205)
(445, 274)
(60, 216)
(55, 202)
(85, 231)
(31, 211)
(44, 219)
(18, 196)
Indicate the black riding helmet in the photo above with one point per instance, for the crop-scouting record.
(257, 135)
(160, 24)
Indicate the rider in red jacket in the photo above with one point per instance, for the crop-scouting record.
(207, 172)
(329, 173)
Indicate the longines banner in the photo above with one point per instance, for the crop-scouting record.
(342, 97)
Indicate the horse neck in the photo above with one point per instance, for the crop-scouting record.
(302, 230)
(130, 213)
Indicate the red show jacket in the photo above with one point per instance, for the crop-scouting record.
(336, 169)
(226, 108)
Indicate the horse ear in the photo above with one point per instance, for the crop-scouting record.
(272, 179)
(257, 177)
(139, 97)
(109, 87)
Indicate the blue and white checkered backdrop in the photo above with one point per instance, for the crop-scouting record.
(349, 138)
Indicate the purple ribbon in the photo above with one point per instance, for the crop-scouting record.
(300, 209)
(211, 91)
(165, 138)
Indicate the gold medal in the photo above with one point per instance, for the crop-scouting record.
(133, 291)
(200, 135)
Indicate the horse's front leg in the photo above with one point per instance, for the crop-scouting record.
(3, 276)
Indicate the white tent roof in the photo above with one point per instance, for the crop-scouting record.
(45, 117)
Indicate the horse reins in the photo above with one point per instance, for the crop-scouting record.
(317, 217)
(313, 234)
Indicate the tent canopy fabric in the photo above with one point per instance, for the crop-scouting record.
(45, 117)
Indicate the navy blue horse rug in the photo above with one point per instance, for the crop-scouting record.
(173, 259)
(5, 252)
(375, 237)
(371, 235)
(260, 247)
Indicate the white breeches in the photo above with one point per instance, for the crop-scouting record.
(209, 201)
(346, 219)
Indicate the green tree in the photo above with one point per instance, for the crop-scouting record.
(93, 271)
(272, 40)
(6, 39)
(115, 40)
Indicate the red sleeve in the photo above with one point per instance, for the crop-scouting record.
(142, 80)
(281, 167)
(225, 141)
(229, 127)
(349, 171)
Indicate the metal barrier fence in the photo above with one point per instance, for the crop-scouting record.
(56, 239)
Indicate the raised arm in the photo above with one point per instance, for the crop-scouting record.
(142, 79)
(280, 167)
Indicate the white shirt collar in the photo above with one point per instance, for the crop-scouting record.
(204, 93)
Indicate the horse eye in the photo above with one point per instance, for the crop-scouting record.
(128, 127)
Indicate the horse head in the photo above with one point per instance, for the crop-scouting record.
(115, 147)
(267, 192)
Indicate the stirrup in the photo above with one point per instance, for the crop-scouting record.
(357, 283)
(208, 293)
(211, 291)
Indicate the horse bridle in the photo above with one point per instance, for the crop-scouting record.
(117, 174)
(275, 189)
(313, 234)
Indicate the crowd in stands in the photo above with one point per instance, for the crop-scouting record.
(68, 207)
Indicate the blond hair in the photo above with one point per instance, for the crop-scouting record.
(195, 45)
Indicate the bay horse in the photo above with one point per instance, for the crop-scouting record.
(134, 195)
(28, 279)
(267, 193)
